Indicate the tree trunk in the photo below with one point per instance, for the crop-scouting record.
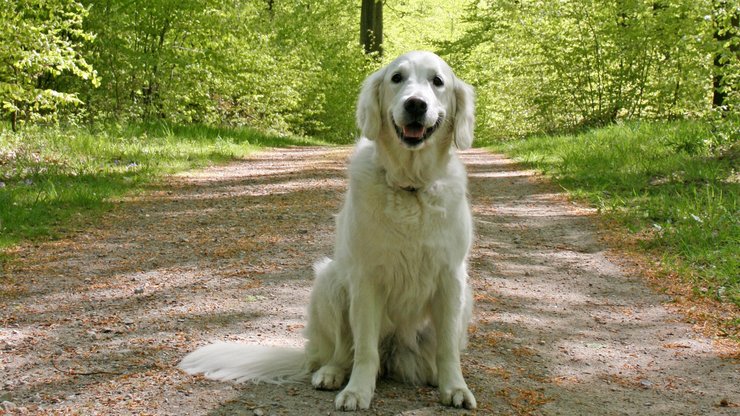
(723, 33)
(371, 26)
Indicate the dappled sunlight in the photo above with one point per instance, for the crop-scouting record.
(555, 316)
(117, 256)
(208, 257)
(291, 161)
(484, 175)
(228, 258)
(264, 189)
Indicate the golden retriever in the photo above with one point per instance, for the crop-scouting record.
(394, 299)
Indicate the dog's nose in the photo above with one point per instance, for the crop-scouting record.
(415, 107)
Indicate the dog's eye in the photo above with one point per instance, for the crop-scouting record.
(437, 81)
(396, 78)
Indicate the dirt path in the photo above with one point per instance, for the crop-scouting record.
(96, 323)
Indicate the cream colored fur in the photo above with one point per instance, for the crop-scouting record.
(394, 299)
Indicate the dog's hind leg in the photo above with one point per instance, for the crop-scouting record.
(329, 347)
(333, 373)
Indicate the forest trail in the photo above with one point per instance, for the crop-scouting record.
(96, 323)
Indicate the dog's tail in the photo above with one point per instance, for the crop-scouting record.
(240, 362)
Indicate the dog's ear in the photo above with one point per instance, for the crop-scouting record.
(368, 105)
(464, 114)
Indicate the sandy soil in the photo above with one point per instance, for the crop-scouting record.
(95, 323)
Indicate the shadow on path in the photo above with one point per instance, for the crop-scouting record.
(96, 323)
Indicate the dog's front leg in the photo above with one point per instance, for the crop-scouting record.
(365, 314)
(449, 318)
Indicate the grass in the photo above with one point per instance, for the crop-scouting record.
(674, 185)
(51, 178)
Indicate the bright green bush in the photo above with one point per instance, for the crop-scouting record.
(545, 66)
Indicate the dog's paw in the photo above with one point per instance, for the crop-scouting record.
(457, 397)
(328, 377)
(352, 400)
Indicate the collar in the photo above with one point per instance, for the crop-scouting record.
(410, 189)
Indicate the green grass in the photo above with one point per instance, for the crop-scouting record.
(51, 178)
(675, 184)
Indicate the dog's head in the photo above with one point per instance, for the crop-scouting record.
(416, 99)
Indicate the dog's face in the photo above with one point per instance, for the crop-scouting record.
(417, 94)
(415, 100)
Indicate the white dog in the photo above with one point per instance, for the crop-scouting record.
(394, 300)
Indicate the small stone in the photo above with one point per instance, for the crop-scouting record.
(8, 406)
(259, 412)
(646, 384)
(139, 290)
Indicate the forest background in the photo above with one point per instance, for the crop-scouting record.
(295, 66)
(630, 104)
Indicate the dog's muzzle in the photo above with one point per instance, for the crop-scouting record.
(414, 133)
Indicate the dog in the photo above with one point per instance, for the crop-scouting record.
(394, 299)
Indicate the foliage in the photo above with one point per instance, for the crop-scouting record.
(279, 66)
(674, 183)
(725, 24)
(548, 66)
(40, 40)
(296, 66)
(421, 24)
(51, 179)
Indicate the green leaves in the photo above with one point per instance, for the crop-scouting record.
(296, 66)
(284, 68)
(40, 41)
(560, 65)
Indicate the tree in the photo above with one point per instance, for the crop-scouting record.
(276, 65)
(371, 26)
(547, 65)
(726, 33)
(40, 40)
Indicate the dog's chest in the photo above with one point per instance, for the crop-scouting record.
(418, 234)
(417, 211)
(416, 227)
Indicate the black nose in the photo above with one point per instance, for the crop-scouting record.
(415, 107)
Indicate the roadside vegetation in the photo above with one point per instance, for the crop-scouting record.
(52, 178)
(675, 186)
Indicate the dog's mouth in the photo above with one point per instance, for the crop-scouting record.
(415, 133)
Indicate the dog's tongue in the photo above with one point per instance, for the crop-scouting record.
(413, 130)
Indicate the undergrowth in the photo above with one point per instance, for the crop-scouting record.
(673, 184)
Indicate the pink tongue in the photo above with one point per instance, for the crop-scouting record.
(415, 132)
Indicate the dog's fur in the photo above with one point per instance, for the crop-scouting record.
(394, 300)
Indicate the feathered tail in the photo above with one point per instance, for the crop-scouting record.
(240, 362)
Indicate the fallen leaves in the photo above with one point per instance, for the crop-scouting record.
(523, 401)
